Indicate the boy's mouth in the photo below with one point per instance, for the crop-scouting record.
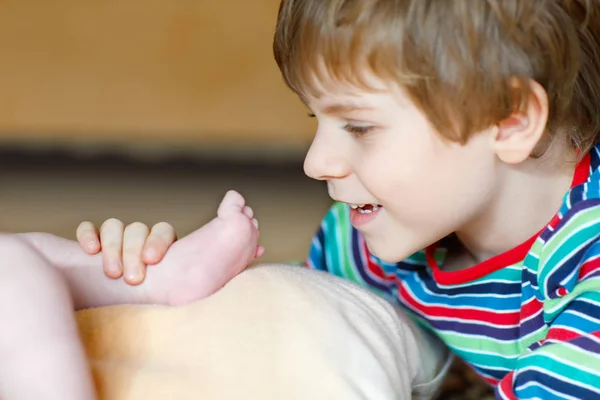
(366, 208)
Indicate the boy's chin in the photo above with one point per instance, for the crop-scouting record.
(386, 251)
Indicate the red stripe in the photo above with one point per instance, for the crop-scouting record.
(589, 267)
(532, 307)
(561, 335)
(565, 335)
(495, 318)
(480, 270)
(372, 267)
(582, 172)
(506, 387)
(491, 381)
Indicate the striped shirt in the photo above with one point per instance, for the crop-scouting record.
(527, 321)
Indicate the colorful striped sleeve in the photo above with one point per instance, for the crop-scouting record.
(566, 363)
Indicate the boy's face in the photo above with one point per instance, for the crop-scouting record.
(376, 147)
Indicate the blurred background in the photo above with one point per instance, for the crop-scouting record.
(150, 110)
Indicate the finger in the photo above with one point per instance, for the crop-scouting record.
(111, 237)
(88, 237)
(161, 238)
(134, 238)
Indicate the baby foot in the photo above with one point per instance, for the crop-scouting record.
(205, 260)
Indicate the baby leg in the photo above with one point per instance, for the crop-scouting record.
(41, 355)
(193, 268)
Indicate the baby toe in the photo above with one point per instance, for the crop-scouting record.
(232, 203)
(248, 211)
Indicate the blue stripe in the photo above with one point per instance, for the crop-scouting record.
(494, 374)
(316, 254)
(573, 211)
(477, 287)
(502, 365)
(587, 344)
(512, 303)
(551, 382)
(532, 325)
(362, 268)
(468, 329)
(564, 268)
(536, 391)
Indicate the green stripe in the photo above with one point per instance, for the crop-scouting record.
(577, 239)
(573, 355)
(513, 273)
(418, 258)
(568, 238)
(345, 243)
(489, 360)
(543, 361)
(331, 247)
(473, 344)
(583, 217)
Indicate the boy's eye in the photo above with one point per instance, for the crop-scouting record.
(357, 130)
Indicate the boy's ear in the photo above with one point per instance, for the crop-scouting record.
(518, 135)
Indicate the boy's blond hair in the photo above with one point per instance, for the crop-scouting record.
(457, 60)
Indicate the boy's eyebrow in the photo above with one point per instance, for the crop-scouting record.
(344, 108)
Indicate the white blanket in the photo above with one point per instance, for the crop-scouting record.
(274, 332)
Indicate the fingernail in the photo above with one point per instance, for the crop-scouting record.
(91, 244)
(134, 277)
(114, 267)
(150, 254)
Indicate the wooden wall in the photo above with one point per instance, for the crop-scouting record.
(180, 71)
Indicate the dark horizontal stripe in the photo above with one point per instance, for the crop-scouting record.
(532, 325)
(555, 384)
(497, 288)
(383, 284)
(587, 344)
(466, 328)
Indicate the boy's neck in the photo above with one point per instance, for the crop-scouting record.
(527, 199)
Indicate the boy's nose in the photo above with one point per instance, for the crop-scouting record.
(325, 160)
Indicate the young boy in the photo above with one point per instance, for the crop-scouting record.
(460, 142)
(43, 278)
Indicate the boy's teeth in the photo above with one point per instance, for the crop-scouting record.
(365, 208)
